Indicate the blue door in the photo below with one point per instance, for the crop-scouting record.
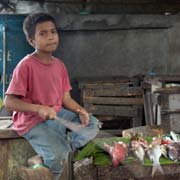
(13, 47)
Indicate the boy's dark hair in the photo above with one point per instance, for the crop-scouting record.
(30, 22)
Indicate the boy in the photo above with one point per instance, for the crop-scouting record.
(38, 93)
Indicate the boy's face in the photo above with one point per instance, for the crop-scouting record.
(46, 38)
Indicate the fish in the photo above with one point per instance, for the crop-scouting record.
(138, 150)
(175, 137)
(128, 133)
(166, 140)
(156, 141)
(164, 150)
(143, 143)
(173, 151)
(118, 152)
(154, 153)
(157, 131)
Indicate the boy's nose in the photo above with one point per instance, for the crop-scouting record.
(51, 37)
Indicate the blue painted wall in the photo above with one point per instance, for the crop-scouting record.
(13, 47)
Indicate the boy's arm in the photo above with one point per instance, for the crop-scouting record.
(14, 103)
(72, 105)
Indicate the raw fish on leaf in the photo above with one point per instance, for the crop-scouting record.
(164, 148)
(173, 151)
(174, 136)
(118, 152)
(138, 150)
(154, 153)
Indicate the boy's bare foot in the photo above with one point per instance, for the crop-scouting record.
(40, 173)
(35, 160)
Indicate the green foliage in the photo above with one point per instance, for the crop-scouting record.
(96, 150)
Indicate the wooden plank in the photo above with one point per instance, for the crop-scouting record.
(174, 101)
(146, 85)
(113, 100)
(14, 153)
(119, 123)
(163, 101)
(84, 170)
(109, 118)
(138, 119)
(106, 118)
(168, 90)
(147, 130)
(109, 133)
(8, 133)
(67, 173)
(126, 111)
(148, 108)
(171, 120)
(168, 78)
(135, 171)
(135, 91)
(155, 2)
(107, 85)
(101, 80)
(168, 111)
(5, 123)
(162, 177)
(4, 159)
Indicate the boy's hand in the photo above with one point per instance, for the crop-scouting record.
(84, 116)
(46, 112)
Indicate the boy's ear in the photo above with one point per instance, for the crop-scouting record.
(30, 40)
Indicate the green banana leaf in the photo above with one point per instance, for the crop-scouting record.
(96, 150)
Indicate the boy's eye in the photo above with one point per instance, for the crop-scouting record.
(54, 31)
(41, 33)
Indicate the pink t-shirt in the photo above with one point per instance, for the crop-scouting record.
(37, 83)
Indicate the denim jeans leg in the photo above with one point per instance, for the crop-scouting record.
(80, 138)
(85, 134)
(66, 114)
(49, 144)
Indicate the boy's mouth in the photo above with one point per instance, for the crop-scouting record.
(52, 44)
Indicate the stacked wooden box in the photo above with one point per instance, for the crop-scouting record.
(166, 97)
(115, 101)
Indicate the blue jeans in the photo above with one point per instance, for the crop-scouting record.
(50, 140)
